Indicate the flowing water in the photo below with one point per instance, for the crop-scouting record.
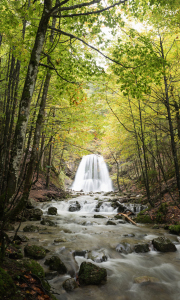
(82, 233)
(92, 175)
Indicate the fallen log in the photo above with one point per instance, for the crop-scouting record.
(129, 219)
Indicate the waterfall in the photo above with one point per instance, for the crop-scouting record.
(92, 175)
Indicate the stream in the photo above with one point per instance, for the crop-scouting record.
(82, 233)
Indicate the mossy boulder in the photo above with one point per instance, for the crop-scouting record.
(163, 244)
(52, 211)
(21, 238)
(175, 229)
(99, 216)
(33, 266)
(48, 222)
(33, 214)
(31, 228)
(7, 286)
(30, 203)
(91, 274)
(97, 209)
(109, 222)
(141, 248)
(56, 264)
(34, 251)
(117, 217)
(70, 284)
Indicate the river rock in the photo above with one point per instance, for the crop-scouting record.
(91, 274)
(121, 222)
(48, 222)
(124, 248)
(60, 240)
(33, 214)
(21, 238)
(109, 222)
(97, 209)
(97, 256)
(31, 228)
(51, 274)
(118, 217)
(34, 251)
(52, 211)
(88, 223)
(29, 204)
(141, 248)
(75, 207)
(55, 264)
(163, 244)
(129, 235)
(99, 216)
(146, 279)
(9, 227)
(80, 253)
(155, 226)
(70, 284)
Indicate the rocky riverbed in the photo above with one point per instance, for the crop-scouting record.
(84, 236)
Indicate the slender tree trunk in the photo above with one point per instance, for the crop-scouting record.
(24, 108)
(173, 143)
(49, 163)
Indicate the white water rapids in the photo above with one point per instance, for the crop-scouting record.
(82, 232)
(92, 175)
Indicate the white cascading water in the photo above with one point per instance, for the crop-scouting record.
(92, 175)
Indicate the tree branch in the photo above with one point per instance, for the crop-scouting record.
(75, 37)
(56, 8)
(92, 12)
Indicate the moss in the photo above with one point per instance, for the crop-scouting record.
(34, 267)
(34, 251)
(174, 229)
(7, 286)
(143, 219)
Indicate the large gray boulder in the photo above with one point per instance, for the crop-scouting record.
(163, 244)
(91, 274)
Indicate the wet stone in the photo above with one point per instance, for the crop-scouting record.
(31, 228)
(124, 248)
(75, 207)
(21, 238)
(91, 274)
(80, 253)
(110, 223)
(34, 251)
(129, 235)
(141, 248)
(51, 274)
(70, 284)
(163, 244)
(33, 214)
(48, 222)
(97, 256)
(60, 240)
(99, 216)
(52, 211)
(56, 264)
